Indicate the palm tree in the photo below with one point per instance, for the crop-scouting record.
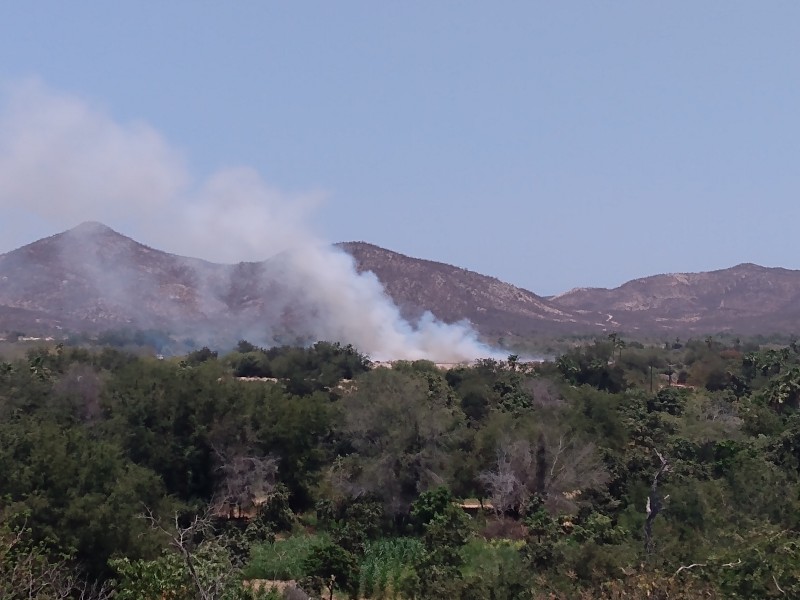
(784, 389)
(568, 368)
(617, 343)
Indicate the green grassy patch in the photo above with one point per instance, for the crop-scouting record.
(489, 557)
(282, 559)
(385, 563)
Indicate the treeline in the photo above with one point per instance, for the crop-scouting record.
(616, 471)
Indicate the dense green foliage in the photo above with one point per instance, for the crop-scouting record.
(615, 471)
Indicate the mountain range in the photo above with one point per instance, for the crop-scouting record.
(92, 278)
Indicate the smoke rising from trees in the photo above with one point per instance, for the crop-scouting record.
(65, 161)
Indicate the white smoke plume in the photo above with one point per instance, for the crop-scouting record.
(66, 161)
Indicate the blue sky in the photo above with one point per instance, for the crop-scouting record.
(551, 145)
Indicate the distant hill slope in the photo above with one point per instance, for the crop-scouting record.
(92, 278)
(452, 293)
(746, 299)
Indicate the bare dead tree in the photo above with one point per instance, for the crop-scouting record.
(544, 392)
(574, 467)
(71, 587)
(26, 572)
(508, 485)
(247, 482)
(209, 569)
(343, 478)
(559, 470)
(654, 504)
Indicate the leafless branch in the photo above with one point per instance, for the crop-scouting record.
(733, 564)
(508, 483)
(575, 467)
(777, 586)
(654, 504)
(27, 573)
(723, 565)
(545, 394)
(558, 469)
(692, 566)
(556, 456)
(186, 540)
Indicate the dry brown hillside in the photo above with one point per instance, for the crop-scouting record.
(92, 278)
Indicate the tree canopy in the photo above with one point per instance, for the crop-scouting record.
(596, 474)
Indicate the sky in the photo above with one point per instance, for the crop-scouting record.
(549, 144)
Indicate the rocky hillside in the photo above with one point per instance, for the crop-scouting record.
(92, 278)
(746, 298)
(452, 293)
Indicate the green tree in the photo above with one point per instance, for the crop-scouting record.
(400, 435)
(82, 494)
(333, 567)
(439, 570)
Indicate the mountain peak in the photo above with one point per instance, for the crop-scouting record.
(92, 233)
(91, 228)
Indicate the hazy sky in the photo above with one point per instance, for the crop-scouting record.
(550, 144)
